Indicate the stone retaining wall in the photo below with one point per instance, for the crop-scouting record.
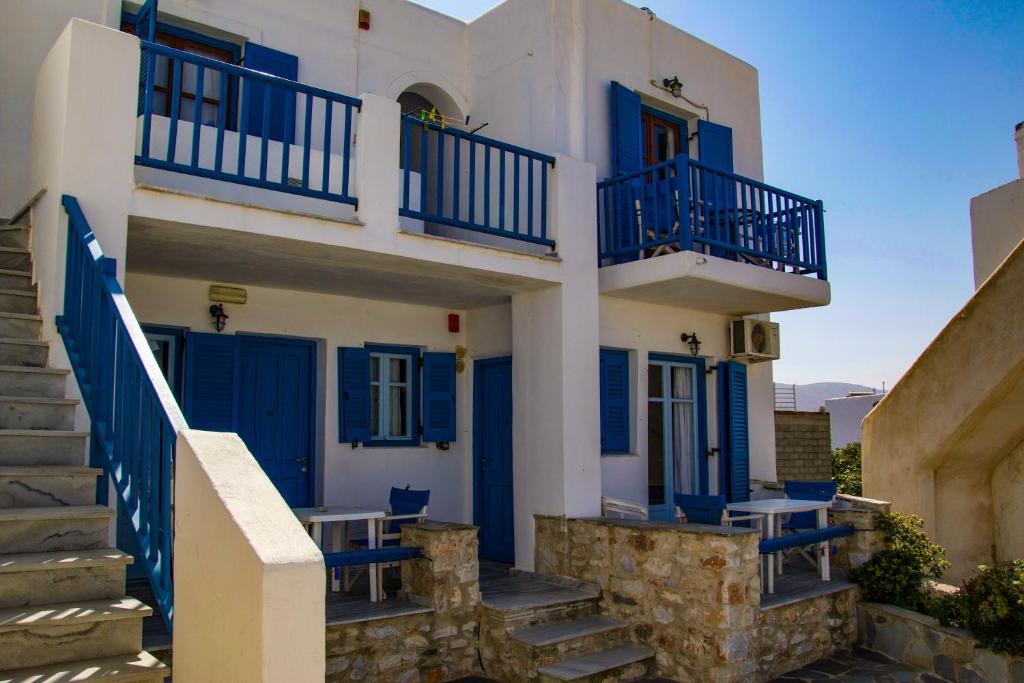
(861, 514)
(431, 646)
(918, 641)
(803, 446)
(692, 593)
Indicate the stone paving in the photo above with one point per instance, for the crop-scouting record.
(858, 666)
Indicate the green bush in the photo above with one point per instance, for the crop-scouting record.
(846, 469)
(896, 574)
(990, 606)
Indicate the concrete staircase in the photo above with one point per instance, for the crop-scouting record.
(64, 615)
(543, 628)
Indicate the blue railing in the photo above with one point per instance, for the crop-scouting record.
(247, 124)
(135, 419)
(682, 204)
(472, 182)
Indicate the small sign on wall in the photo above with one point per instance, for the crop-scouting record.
(227, 295)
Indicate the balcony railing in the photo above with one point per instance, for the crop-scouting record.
(682, 204)
(472, 182)
(135, 420)
(215, 120)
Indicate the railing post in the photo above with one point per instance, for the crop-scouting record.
(819, 238)
(683, 202)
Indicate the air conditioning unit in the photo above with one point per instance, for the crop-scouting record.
(756, 340)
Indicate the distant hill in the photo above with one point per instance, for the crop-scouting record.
(812, 397)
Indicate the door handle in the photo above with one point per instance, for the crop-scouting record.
(483, 461)
(303, 462)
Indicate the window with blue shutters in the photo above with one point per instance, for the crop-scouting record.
(211, 370)
(614, 401)
(394, 396)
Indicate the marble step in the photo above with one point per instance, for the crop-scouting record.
(24, 352)
(28, 579)
(41, 447)
(18, 301)
(20, 326)
(66, 527)
(137, 667)
(69, 631)
(47, 485)
(14, 236)
(622, 663)
(35, 382)
(543, 635)
(15, 258)
(19, 280)
(28, 412)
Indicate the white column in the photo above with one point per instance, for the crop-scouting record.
(556, 435)
(83, 144)
(377, 169)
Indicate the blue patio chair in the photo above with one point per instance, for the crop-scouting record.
(708, 510)
(807, 490)
(405, 506)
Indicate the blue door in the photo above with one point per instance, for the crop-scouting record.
(263, 389)
(492, 450)
(274, 412)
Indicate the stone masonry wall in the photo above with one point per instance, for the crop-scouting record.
(692, 593)
(860, 513)
(430, 646)
(803, 446)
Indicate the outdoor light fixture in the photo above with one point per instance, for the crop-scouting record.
(693, 342)
(220, 318)
(673, 85)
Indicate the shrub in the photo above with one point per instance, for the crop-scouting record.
(895, 575)
(846, 469)
(990, 606)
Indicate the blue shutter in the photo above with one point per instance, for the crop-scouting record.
(354, 399)
(627, 140)
(211, 373)
(733, 431)
(439, 397)
(614, 401)
(275, 63)
(627, 156)
(714, 145)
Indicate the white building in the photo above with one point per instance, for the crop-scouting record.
(495, 316)
(847, 413)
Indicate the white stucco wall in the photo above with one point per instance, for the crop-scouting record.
(645, 328)
(351, 476)
(847, 414)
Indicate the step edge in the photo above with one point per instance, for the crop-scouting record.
(28, 369)
(34, 317)
(15, 273)
(23, 342)
(75, 669)
(53, 512)
(71, 434)
(17, 292)
(601, 624)
(120, 609)
(51, 561)
(40, 400)
(49, 471)
(640, 653)
(15, 250)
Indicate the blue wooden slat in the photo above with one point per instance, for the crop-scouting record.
(472, 182)
(222, 105)
(286, 147)
(543, 200)
(325, 186)
(197, 115)
(406, 161)
(307, 139)
(529, 196)
(456, 180)
(501, 189)
(424, 147)
(487, 185)
(515, 193)
(439, 200)
(243, 126)
(264, 133)
(172, 132)
(346, 148)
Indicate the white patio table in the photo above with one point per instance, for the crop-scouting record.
(314, 518)
(771, 508)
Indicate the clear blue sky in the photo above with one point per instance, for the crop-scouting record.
(895, 114)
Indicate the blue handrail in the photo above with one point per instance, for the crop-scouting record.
(239, 93)
(482, 190)
(726, 214)
(135, 419)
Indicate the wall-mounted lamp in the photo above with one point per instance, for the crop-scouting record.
(692, 341)
(220, 318)
(673, 85)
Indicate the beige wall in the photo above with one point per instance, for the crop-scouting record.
(248, 580)
(1008, 502)
(937, 442)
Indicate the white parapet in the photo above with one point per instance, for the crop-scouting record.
(248, 580)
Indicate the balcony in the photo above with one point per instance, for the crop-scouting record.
(683, 233)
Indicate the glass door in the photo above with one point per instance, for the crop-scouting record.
(673, 434)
